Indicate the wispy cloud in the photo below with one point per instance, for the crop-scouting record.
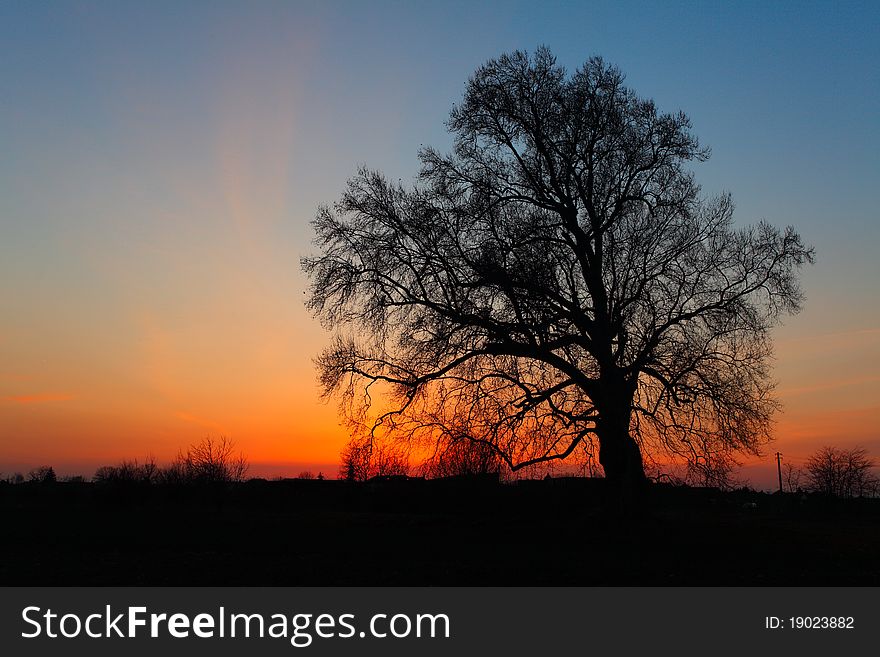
(824, 341)
(11, 377)
(829, 385)
(869, 331)
(189, 417)
(37, 398)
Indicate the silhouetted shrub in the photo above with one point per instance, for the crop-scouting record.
(842, 472)
(44, 475)
(464, 458)
(712, 470)
(128, 472)
(363, 459)
(210, 461)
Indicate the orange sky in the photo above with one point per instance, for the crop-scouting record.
(154, 204)
(175, 386)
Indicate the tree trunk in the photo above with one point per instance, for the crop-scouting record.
(621, 458)
(619, 453)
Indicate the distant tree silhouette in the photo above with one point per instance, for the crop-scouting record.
(44, 475)
(362, 459)
(463, 458)
(128, 472)
(842, 472)
(210, 461)
(793, 477)
(557, 279)
(712, 470)
(354, 461)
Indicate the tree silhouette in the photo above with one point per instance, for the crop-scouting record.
(209, 461)
(712, 470)
(842, 472)
(361, 460)
(129, 472)
(792, 477)
(43, 475)
(463, 458)
(557, 279)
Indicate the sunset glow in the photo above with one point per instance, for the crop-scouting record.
(160, 169)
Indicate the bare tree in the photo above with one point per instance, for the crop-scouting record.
(362, 459)
(793, 477)
(712, 470)
(557, 279)
(842, 472)
(355, 461)
(212, 461)
(463, 458)
(44, 474)
(128, 472)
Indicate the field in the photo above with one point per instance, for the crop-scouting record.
(416, 532)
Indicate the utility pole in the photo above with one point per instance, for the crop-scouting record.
(779, 469)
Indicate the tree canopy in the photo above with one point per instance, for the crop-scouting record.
(557, 281)
(840, 472)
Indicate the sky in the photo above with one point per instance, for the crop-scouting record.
(160, 163)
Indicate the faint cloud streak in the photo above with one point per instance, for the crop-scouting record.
(192, 419)
(828, 385)
(37, 398)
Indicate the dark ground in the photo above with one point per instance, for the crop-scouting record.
(555, 532)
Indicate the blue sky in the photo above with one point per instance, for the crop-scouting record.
(161, 161)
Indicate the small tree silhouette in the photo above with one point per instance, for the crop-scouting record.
(211, 461)
(463, 458)
(712, 470)
(363, 459)
(44, 475)
(842, 472)
(793, 477)
(128, 472)
(354, 461)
